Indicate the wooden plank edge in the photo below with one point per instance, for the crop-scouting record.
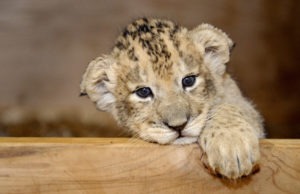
(114, 140)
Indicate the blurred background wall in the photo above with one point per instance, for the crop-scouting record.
(46, 45)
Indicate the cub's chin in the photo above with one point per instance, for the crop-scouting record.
(185, 140)
(165, 136)
(158, 135)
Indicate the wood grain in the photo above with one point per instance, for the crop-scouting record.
(97, 165)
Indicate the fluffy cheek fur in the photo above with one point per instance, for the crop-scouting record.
(199, 108)
(197, 120)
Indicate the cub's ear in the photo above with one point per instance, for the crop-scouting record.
(214, 44)
(97, 83)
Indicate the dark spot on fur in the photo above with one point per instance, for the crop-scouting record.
(126, 33)
(131, 54)
(160, 31)
(174, 31)
(159, 25)
(144, 28)
(134, 24)
(120, 45)
(145, 20)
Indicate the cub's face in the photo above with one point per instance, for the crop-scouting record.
(160, 80)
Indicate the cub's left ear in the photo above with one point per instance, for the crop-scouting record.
(98, 83)
(214, 44)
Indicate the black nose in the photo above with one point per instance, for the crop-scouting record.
(177, 128)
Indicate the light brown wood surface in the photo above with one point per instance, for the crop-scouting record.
(97, 165)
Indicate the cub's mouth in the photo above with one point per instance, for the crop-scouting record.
(184, 137)
(165, 133)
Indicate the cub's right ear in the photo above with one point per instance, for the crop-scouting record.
(97, 83)
(214, 44)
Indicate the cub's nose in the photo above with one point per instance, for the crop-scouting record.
(177, 126)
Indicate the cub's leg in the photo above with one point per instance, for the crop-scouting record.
(230, 142)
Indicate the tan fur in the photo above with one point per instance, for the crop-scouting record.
(158, 54)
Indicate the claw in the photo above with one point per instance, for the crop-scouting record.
(239, 164)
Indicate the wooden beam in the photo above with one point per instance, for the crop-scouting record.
(98, 165)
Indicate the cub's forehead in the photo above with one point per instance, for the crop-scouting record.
(151, 43)
(149, 34)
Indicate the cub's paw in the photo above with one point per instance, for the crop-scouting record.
(231, 155)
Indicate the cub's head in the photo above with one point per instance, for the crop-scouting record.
(160, 79)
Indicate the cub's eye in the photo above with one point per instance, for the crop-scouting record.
(144, 92)
(188, 81)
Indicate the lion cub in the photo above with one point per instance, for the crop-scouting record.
(169, 85)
